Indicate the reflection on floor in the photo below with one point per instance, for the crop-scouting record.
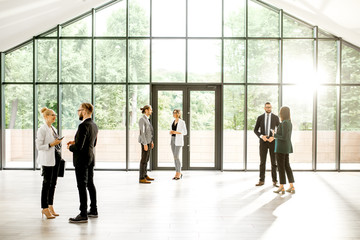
(203, 205)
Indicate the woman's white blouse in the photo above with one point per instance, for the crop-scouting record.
(179, 138)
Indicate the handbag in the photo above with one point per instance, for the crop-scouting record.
(61, 168)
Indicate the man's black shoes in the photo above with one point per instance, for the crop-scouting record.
(78, 219)
(92, 214)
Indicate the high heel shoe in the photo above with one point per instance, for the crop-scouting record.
(280, 190)
(47, 213)
(52, 211)
(177, 178)
(291, 190)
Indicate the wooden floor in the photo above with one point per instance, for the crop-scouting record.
(204, 205)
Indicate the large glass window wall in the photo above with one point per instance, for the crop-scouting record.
(113, 55)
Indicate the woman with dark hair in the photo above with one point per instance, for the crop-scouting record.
(178, 131)
(283, 148)
(146, 137)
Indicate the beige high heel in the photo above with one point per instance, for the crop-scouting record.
(280, 190)
(291, 190)
(47, 213)
(52, 211)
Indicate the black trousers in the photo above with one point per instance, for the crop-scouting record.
(263, 149)
(50, 175)
(145, 157)
(85, 181)
(284, 167)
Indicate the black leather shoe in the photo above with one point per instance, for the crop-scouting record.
(275, 184)
(93, 214)
(78, 219)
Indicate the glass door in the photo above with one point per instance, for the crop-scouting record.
(168, 100)
(200, 109)
(202, 128)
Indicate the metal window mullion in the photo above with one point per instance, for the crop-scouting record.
(221, 133)
(186, 96)
(35, 98)
(246, 85)
(127, 143)
(18, 83)
(93, 60)
(266, 5)
(18, 46)
(348, 44)
(219, 127)
(76, 38)
(78, 18)
(93, 69)
(58, 89)
(47, 38)
(338, 105)
(186, 40)
(152, 156)
(105, 5)
(299, 20)
(281, 60)
(2, 110)
(314, 123)
(151, 43)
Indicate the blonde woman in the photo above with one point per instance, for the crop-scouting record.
(178, 131)
(48, 145)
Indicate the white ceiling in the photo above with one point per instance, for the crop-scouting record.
(339, 17)
(20, 20)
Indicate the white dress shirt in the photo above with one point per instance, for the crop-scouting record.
(267, 115)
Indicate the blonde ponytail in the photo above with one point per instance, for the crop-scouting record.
(46, 111)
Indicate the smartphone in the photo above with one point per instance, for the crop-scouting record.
(60, 138)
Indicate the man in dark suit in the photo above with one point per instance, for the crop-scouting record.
(84, 162)
(264, 124)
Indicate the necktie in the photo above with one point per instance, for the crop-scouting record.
(267, 125)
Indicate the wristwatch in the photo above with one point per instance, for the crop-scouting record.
(49, 145)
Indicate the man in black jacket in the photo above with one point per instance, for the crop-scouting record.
(84, 162)
(264, 124)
